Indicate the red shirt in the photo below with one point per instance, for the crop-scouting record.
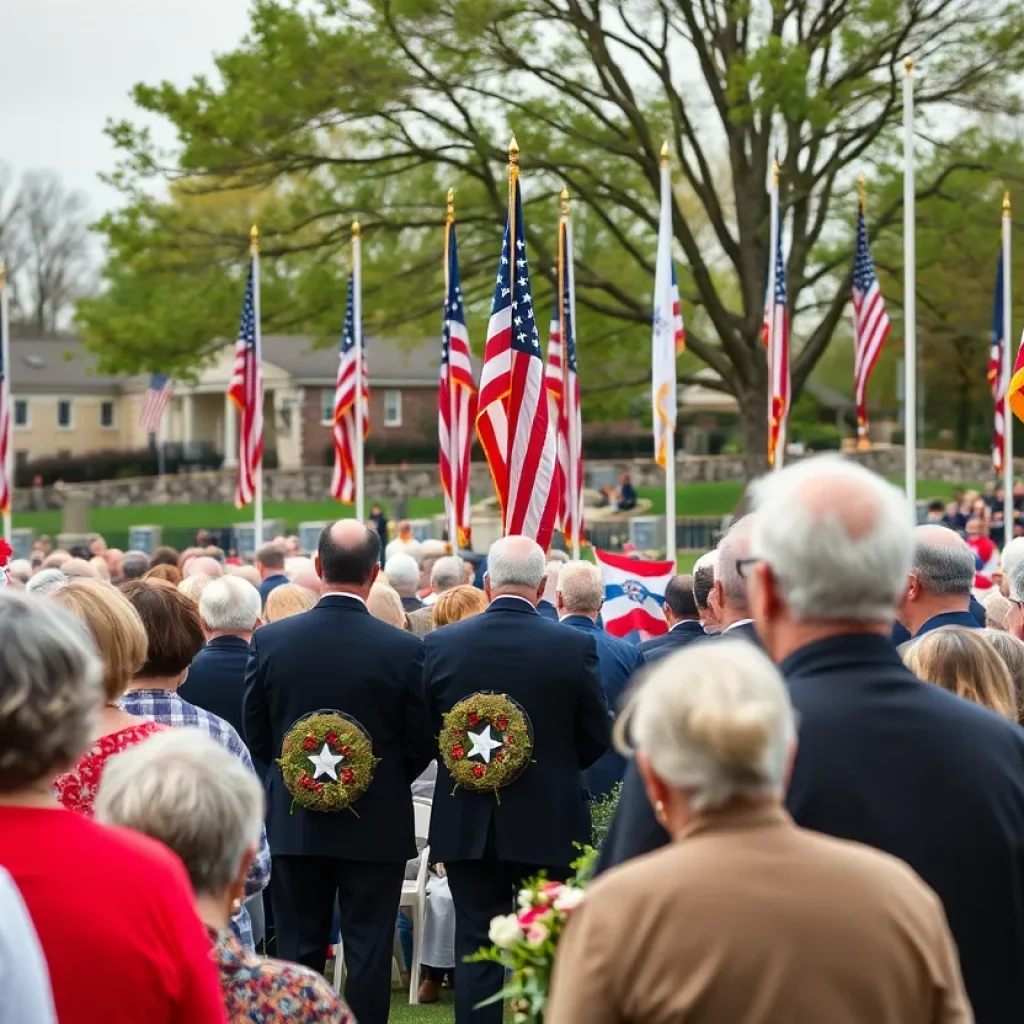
(116, 917)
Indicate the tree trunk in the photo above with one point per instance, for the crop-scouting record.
(753, 411)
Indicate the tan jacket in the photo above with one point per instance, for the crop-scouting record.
(421, 621)
(751, 920)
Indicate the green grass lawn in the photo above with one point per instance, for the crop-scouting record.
(442, 1012)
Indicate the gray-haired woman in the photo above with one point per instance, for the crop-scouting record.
(197, 798)
(745, 917)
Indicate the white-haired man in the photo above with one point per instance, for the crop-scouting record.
(1014, 586)
(728, 601)
(1013, 555)
(230, 608)
(939, 583)
(550, 673)
(447, 572)
(546, 606)
(403, 573)
(703, 587)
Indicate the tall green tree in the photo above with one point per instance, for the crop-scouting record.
(371, 108)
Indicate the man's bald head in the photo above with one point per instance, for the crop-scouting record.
(943, 563)
(348, 554)
(204, 566)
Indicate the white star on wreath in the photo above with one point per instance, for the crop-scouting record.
(326, 763)
(483, 744)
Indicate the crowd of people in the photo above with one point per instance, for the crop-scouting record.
(821, 766)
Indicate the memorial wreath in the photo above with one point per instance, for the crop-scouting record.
(486, 742)
(327, 761)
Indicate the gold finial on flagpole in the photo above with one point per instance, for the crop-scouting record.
(862, 190)
(513, 153)
(564, 197)
(3, 275)
(664, 153)
(1006, 204)
(908, 65)
(775, 174)
(451, 205)
(356, 229)
(254, 239)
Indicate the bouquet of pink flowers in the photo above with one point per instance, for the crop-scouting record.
(524, 943)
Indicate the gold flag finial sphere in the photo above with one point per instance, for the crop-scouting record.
(908, 65)
(3, 275)
(862, 189)
(564, 196)
(775, 173)
(1006, 203)
(356, 229)
(664, 153)
(254, 239)
(513, 152)
(451, 204)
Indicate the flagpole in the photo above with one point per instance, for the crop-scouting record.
(1006, 371)
(567, 293)
(670, 433)
(513, 178)
(5, 362)
(357, 330)
(254, 250)
(454, 460)
(778, 452)
(909, 293)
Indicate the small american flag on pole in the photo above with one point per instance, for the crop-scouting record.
(871, 324)
(996, 373)
(456, 395)
(343, 482)
(246, 391)
(514, 423)
(157, 396)
(775, 334)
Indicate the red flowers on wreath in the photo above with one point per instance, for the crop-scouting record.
(458, 752)
(474, 718)
(332, 738)
(309, 743)
(478, 770)
(347, 775)
(501, 722)
(345, 750)
(497, 755)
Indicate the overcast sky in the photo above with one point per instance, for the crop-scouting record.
(68, 65)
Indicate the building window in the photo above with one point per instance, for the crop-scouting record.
(21, 412)
(327, 406)
(107, 414)
(65, 414)
(20, 459)
(392, 408)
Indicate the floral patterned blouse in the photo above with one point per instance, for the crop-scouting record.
(76, 789)
(258, 990)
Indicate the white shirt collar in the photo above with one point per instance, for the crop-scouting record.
(683, 622)
(738, 622)
(354, 597)
(514, 597)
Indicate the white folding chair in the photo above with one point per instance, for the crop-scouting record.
(414, 896)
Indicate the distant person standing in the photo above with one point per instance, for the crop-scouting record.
(546, 676)
(337, 659)
(270, 563)
(626, 500)
(379, 522)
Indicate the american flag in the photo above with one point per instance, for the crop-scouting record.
(996, 374)
(157, 397)
(775, 334)
(343, 483)
(246, 391)
(563, 385)
(871, 324)
(514, 423)
(456, 398)
(5, 407)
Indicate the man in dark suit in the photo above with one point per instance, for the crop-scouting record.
(578, 598)
(683, 619)
(489, 845)
(270, 563)
(403, 573)
(230, 610)
(634, 829)
(338, 657)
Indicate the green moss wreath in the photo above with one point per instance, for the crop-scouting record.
(327, 761)
(486, 742)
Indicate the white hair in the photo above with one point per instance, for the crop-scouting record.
(21, 569)
(714, 720)
(731, 548)
(515, 561)
(230, 605)
(943, 562)
(46, 581)
(581, 586)
(193, 795)
(433, 549)
(402, 570)
(1013, 555)
(838, 539)
(448, 571)
(706, 561)
(1015, 589)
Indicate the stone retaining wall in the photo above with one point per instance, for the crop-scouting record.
(396, 483)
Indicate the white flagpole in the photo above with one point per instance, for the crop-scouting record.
(1007, 368)
(257, 518)
(454, 425)
(5, 361)
(779, 453)
(668, 327)
(357, 316)
(569, 401)
(909, 293)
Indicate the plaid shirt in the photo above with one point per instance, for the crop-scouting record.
(168, 708)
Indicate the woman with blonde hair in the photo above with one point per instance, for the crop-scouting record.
(385, 604)
(121, 641)
(960, 661)
(461, 602)
(287, 600)
(744, 916)
(1011, 650)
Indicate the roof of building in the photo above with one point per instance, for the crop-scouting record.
(59, 364)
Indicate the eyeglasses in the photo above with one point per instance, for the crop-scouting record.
(744, 565)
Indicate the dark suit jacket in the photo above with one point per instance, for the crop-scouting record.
(546, 610)
(681, 634)
(271, 583)
(908, 768)
(412, 604)
(617, 661)
(216, 683)
(973, 618)
(338, 657)
(552, 673)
